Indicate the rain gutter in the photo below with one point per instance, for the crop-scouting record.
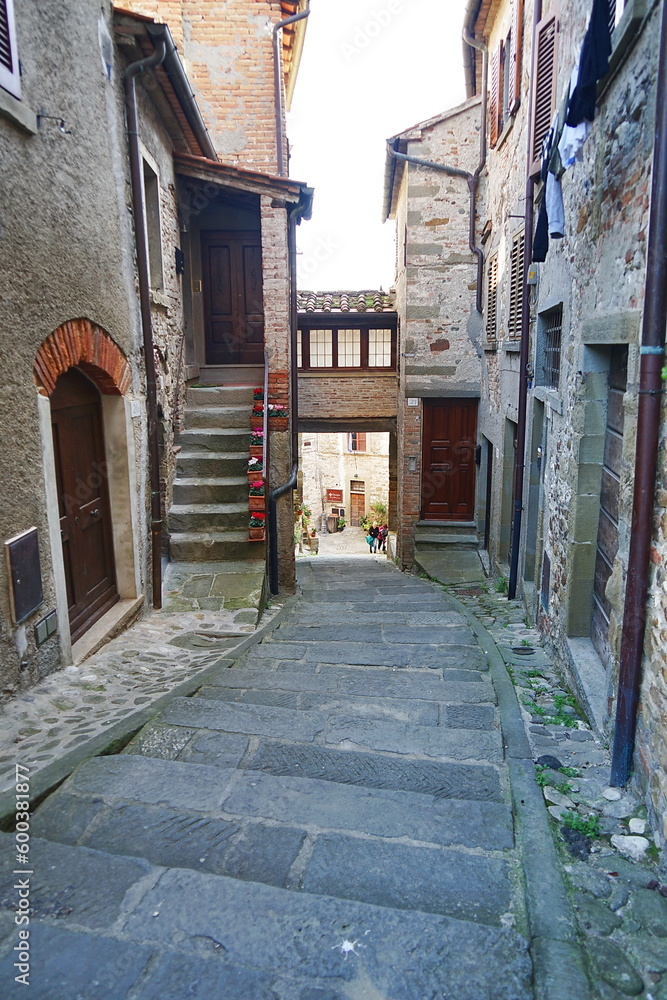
(650, 399)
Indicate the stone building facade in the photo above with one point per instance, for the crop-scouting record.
(580, 314)
(73, 329)
(344, 471)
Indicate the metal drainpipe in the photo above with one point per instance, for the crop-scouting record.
(130, 75)
(474, 182)
(291, 483)
(648, 438)
(277, 84)
(519, 457)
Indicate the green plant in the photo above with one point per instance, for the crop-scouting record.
(589, 827)
(502, 585)
(258, 519)
(256, 489)
(524, 642)
(379, 511)
(341, 523)
(570, 772)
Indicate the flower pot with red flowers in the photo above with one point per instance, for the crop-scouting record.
(256, 497)
(257, 442)
(258, 394)
(256, 528)
(257, 416)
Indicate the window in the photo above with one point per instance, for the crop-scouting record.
(10, 70)
(516, 287)
(492, 298)
(616, 8)
(321, 349)
(549, 342)
(359, 349)
(357, 442)
(506, 75)
(349, 348)
(544, 82)
(379, 348)
(153, 225)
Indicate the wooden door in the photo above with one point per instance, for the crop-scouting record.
(607, 540)
(448, 459)
(233, 301)
(357, 501)
(83, 499)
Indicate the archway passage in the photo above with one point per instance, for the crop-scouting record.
(83, 500)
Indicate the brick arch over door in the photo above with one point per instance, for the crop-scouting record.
(83, 344)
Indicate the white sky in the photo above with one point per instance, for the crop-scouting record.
(370, 69)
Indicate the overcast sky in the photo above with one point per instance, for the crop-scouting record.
(370, 69)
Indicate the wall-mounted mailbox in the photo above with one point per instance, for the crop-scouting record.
(25, 574)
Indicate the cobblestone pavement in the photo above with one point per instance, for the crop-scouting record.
(616, 881)
(151, 658)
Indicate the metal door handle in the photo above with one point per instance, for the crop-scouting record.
(94, 513)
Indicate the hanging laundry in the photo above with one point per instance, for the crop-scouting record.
(551, 217)
(593, 65)
(571, 144)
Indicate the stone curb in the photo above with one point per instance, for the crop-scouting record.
(48, 778)
(558, 961)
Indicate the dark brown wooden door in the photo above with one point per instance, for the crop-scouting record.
(233, 302)
(83, 499)
(357, 501)
(448, 459)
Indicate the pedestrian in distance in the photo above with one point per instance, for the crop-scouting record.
(374, 531)
(371, 542)
(382, 538)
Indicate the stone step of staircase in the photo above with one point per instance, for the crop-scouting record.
(210, 464)
(217, 416)
(432, 535)
(204, 517)
(210, 490)
(214, 439)
(219, 395)
(246, 940)
(208, 546)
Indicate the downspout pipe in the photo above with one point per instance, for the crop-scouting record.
(141, 238)
(278, 85)
(291, 483)
(651, 351)
(174, 69)
(473, 184)
(520, 453)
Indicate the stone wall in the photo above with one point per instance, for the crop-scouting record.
(327, 463)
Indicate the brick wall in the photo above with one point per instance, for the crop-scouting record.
(346, 396)
(226, 46)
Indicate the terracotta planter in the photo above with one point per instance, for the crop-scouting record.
(257, 450)
(257, 422)
(256, 503)
(255, 534)
(254, 476)
(278, 423)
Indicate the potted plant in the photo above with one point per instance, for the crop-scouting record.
(256, 495)
(254, 468)
(256, 528)
(258, 394)
(278, 416)
(257, 416)
(257, 442)
(341, 523)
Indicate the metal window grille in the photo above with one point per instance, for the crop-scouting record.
(492, 298)
(6, 55)
(516, 286)
(616, 8)
(553, 326)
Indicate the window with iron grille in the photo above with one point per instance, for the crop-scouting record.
(550, 330)
(516, 286)
(616, 8)
(544, 76)
(10, 74)
(492, 298)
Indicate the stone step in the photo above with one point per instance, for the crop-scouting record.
(214, 439)
(218, 416)
(451, 527)
(302, 726)
(295, 944)
(219, 395)
(205, 517)
(377, 654)
(211, 465)
(230, 489)
(385, 633)
(430, 541)
(210, 546)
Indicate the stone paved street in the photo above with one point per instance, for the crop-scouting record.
(345, 811)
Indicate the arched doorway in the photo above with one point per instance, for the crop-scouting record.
(83, 500)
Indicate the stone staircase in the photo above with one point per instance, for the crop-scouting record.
(431, 536)
(328, 820)
(208, 519)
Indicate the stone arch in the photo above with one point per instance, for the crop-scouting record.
(81, 343)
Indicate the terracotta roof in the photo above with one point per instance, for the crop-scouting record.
(226, 175)
(347, 302)
(293, 36)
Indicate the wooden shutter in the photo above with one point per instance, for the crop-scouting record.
(10, 75)
(514, 95)
(516, 286)
(494, 97)
(492, 298)
(544, 83)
